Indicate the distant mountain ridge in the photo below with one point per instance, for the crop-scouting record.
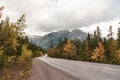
(45, 41)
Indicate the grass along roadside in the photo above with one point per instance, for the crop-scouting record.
(17, 71)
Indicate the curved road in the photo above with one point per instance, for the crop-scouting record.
(85, 70)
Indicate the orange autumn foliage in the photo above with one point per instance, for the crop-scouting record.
(69, 48)
(98, 52)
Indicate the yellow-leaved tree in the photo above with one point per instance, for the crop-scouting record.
(98, 53)
(69, 50)
(26, 53)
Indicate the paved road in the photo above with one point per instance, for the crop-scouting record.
(43, 71)
(85, 70)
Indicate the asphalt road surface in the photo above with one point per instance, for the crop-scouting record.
(85, 70)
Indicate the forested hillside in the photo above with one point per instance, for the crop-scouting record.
(95, 48)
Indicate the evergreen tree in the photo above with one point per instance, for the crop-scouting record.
(110, 35)
(89, 40)
(87, 50)
(118, 38)
(20, 26)
(98, 34)
(94, 41)
(105, 43)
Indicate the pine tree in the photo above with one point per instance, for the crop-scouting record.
(87, 50)
(112, 47)
(94, 41)
(110, 35)
(98, 34)
(118, 38)
(89, 40)
(20, 26)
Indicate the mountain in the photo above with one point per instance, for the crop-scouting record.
(77, 34)
(54, 37)
(34, 38)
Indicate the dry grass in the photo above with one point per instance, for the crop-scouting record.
(16, 71)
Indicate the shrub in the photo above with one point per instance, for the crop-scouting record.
(3, 60)
(26, 53)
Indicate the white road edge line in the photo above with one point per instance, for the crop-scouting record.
(112, 69)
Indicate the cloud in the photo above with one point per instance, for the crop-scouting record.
(51, 15)
(104, 26)
(73, 14)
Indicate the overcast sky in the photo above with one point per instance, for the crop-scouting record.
(44, 16)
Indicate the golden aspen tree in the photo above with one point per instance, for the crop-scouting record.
(69, 49)
(98, 53)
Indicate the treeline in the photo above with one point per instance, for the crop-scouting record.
(95, 48)
(14, 44)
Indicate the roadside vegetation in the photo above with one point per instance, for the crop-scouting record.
(16, 51)
(94, 49)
